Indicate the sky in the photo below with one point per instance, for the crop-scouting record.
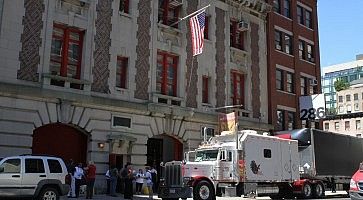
(340, 30)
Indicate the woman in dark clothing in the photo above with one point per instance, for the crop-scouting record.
(128, 193)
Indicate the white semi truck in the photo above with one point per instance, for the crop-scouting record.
(233, 164)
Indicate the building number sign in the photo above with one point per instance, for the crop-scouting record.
(312, 107)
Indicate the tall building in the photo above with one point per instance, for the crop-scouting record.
(115, 80)
(293, 60)
(348, 72)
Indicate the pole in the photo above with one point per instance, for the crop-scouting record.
(191, 14)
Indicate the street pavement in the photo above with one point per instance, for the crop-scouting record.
(341, 195)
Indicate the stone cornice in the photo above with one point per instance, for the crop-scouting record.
(257, 5)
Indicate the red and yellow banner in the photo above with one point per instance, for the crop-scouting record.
(227, 122)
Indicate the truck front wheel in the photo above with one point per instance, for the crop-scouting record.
(203, 191)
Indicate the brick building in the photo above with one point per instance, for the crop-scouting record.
(111, 81)
(293, 60)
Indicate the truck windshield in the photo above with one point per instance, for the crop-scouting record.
(207, 155)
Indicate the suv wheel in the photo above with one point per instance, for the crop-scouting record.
(49, 193)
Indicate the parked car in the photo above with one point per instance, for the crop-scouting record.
(39, 177)
(356, 184)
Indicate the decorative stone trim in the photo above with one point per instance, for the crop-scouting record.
(191, 90)
(101, 72)
(142, 50)
(220, 58)
(255, 68)
(257, 5)
(31, 41)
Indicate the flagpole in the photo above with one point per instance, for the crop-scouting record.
(193, 13)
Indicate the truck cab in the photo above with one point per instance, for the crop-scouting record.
(232, 165)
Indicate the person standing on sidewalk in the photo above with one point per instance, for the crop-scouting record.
(91, 177)
(71, 168)
(149, 182)
(108, 177)
(113, 180)
(78, 175)
(154, 175)
(139, 181)
(128, 194)
(123, 174)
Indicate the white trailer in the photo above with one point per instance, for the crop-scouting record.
(233, 164)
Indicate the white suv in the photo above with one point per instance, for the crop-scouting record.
(41, 177)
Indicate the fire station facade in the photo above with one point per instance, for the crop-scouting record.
(111, 81)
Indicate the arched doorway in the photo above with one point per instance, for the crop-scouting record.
(163, 148)
(60, 140)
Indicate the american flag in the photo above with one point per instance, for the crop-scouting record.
(197, 24)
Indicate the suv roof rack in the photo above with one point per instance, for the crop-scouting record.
(29, 154)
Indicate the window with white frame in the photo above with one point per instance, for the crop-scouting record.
(349, 108)
(347, 97)
(336, 126)
(119, 121)
(356, 106)
(283, 42)
(347, 125)
(291, 120)
(279, 80)
(341, 109)
(124, 6)
(326, 126)
(303, 86)
(207, 133)
(290, 82)
(280, 120)
(340, 99)
(357, 125)
(355, 97)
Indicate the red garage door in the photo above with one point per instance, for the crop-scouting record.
(60, 140)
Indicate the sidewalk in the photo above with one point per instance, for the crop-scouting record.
(145, 197)
(106, 197)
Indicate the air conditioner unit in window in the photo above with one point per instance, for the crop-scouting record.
(175, 3)
(243, 26)
(313, 82)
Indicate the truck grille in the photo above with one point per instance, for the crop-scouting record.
(173, 174)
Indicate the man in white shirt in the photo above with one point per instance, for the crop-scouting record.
(78, 174)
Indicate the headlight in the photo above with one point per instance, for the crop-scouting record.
(353, 185)
(162, 182)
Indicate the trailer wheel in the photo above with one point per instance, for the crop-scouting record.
(319, 190)
(203, 191)
(307, 191)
